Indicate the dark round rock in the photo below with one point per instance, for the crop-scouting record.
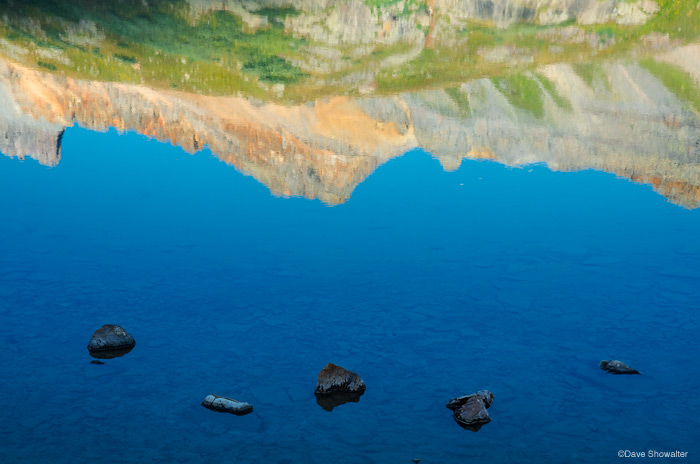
(110, 341)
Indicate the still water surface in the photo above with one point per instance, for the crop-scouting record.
(430, 284)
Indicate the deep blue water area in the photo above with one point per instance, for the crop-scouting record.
(429, 284)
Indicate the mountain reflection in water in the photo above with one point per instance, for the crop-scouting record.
(626, 121)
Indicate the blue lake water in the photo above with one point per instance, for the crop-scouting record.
(429, 284)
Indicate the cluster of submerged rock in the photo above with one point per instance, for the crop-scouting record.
(334, 386)
(470, 410)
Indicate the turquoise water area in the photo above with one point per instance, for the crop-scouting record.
(429, 284)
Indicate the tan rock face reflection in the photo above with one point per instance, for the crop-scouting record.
(625, 121)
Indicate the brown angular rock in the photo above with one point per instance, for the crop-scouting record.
(617, 368)
(336, 386)
(334, 378)
(470, 410)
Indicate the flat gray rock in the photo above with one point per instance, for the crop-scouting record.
(229, 405)
(617, 368)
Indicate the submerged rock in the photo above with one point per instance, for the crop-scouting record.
(470, 410)
(229, 405)
(617, 367)
(110, 341)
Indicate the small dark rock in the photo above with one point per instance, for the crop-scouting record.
(470, 410)
(229, 405)
(110, 341)
(95, 361)
(617, 367)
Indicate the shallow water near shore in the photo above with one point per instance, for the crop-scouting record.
(429, 284)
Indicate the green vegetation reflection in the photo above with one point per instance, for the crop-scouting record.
(300, 53)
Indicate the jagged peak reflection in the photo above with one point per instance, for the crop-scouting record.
(628, 121)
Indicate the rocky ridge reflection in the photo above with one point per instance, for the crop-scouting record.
(626, 121)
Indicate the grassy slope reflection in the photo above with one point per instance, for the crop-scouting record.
(134, 42)
(351, 46)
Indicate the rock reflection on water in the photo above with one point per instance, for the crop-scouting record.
(110, 354)
(332, 400)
